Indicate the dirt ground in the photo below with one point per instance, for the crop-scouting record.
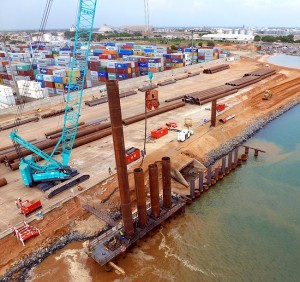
(247, 105)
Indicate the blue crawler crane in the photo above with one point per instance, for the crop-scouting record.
(53, 169)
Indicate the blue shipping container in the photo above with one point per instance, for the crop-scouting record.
(167, 56)
(57, 79)
(103, 74)
(143, 73)
(125, 52)
(39, 77)
(43, 71)
(177, 61)
(143, 65)
(153, 60)
(144, 69)
(121, 66)
(110, 44)
(122, 76)
(41, 82)
(148, 50)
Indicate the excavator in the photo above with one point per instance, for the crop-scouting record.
(53, 170)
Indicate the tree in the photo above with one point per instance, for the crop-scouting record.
(173, 47)
(200, 44)
(257, 38)
(210, 43)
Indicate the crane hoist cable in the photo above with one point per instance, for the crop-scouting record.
(21, 106)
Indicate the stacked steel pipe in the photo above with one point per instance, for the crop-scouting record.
(262, 73)
(216, 69)
(175, 98)
(19, 122)
(183, 76)
(208, 95)
(244, 81)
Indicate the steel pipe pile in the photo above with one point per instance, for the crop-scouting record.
(140, 117)
(19, 122)
(174, 99)
(166, 181)
(154, 190)
(183, 76)
(216, 69)
(244, 81)
(140, 197)
(209, 94)
(119, 148)
(95, 102)
(59, 130)
(3, 182)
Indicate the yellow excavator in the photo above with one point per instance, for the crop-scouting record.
(267, 95)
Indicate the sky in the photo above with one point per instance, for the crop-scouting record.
(27, 14)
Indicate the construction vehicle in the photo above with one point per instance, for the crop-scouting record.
(267, 95)
(52, 170)
(184, 135)
(171, 124)
(28, 207)
(188, 122)
(152, 99)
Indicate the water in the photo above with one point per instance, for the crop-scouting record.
(247, 228)
(285, 60)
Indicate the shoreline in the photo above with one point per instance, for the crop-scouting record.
(20, 270)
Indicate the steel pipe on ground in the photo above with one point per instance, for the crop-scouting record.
(20, 122)
(140, 117)
(3, 182)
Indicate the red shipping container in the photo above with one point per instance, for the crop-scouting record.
(144, 60)
(49, 84)
(102, 79)
(122, 71)
(111, 70)
(49, 56)
(159, 132)
(132, 154)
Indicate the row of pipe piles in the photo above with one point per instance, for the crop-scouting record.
(214, 173)
(216, 69)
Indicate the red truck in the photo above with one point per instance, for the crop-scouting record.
(28, 207)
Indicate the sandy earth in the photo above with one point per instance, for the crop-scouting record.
(248, 106)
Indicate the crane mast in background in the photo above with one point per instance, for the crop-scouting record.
(146, 9)
(52, 169)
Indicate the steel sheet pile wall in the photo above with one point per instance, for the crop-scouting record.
(216, 69)
(244, 81)
(262, 73)
(205, 96)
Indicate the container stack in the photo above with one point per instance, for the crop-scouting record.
(6, 97)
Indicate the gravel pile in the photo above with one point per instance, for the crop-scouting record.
(20, 269)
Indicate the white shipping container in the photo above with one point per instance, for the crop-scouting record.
(60, 91)
(65, 53)
(5, 81)
(104, 63)
(94, 73)
(93, 58)
(11, 83)
(48, 78)
(29, 85)
(50, 90)
(94, 77)
(46, 52)
(62, 59)
(65, 65)
(111, 65)
(39, 66)
(59, 73)
(3, 106)
(33, 94)
(6, 95)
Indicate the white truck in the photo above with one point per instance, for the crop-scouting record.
(184, 134)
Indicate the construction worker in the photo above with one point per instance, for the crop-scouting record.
(20, 202)
(110, 171)
(17, 203)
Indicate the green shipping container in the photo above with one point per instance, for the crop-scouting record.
(102, 69)
(24, 67)
(112, 76)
